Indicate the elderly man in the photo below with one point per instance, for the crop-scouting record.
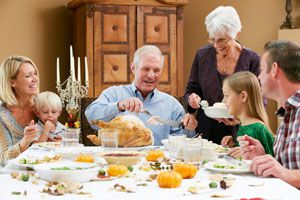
(142, 95)
(280, 79)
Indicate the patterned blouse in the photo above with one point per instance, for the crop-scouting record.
(206, 81)
(287, 142)
(10, 135)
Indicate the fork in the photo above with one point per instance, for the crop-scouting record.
(146, 112)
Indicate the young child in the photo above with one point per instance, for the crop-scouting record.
(48, 109)
(242, 96)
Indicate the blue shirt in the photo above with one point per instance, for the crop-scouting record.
(157, 103)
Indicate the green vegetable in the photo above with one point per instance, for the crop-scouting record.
(204, 162)
(213, 185)
(22, 161)
(60, 168)
(101, 172)
(15, 193)
(25, 177)
(130, 168)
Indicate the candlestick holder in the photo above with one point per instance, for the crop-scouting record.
(70, 92)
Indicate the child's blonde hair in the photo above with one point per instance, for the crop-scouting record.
(49, 99)
(248, 82)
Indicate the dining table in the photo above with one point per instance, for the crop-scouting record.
(244, 185)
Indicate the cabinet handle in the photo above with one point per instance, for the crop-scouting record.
(115, 27)
(115, 68)
(156, 28)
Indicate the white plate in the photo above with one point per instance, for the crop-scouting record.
(236, 170)
(15, 161)
(72, 152)
(45, 171)
(50, 145)
(217, 112)
(130, 148)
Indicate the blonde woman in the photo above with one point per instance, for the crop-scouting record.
(243, 97)
(19, 83)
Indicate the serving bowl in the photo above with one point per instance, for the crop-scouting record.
(67, 171)
(122, 157)
(217, 112)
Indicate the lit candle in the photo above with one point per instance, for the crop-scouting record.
(78, 71)
(57, 71)
(86, 71)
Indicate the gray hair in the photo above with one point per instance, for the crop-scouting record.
(287, 55)
(147, 50)
(223, 20)
(47, 99)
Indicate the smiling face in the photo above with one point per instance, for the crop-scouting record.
(222, 43)
(48, 114)
(26, 82)
(265, 78)
(147, 73)
(232, 100)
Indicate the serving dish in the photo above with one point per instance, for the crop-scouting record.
(67, 171)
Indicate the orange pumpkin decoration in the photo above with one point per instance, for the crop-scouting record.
(117, 170)
(153, 155)
(169, 179)
(85, 158)
(185, 170)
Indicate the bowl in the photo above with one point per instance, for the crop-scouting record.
(71, 153)
(122, 157)
(217, 112)
(67, 171)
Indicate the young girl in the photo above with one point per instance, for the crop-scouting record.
(242, 96)
(48, 109)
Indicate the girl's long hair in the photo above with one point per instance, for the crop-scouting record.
(248, 82)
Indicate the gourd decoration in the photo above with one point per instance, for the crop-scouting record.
(185, 170)
(85, 158)
(169, 179)
(117, 170)
(154, 155)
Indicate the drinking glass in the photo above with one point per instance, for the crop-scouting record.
(192, 150)
(109, 138)
(175, 144)
(70, 137)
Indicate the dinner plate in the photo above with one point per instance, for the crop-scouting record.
(130, 148)
(217, 112)
(50, 145)
(16, 161)
(229, 168)
(72, 152)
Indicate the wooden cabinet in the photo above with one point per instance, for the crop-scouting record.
(109, 31)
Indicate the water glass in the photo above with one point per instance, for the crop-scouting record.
(175, 144)
(192, 150)
(109, 138)
(70, 137)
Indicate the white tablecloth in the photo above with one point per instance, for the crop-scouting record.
(271, 188)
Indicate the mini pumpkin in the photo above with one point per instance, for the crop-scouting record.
(169, 179)
(117, 170)
(153, 155)
(85, 158)
(185, 170)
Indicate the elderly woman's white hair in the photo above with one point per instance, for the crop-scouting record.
(223, 20)
(146, 50)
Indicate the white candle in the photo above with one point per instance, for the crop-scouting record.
(78, 71)
(72, 64)
(57, 71)
(86, 71)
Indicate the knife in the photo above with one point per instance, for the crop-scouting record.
(241, 163)
(169, 122)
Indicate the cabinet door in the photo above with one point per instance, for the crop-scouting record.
(157, 26)
(114, 45)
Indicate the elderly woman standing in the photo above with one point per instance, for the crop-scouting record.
(19, 83)
(213, 63)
